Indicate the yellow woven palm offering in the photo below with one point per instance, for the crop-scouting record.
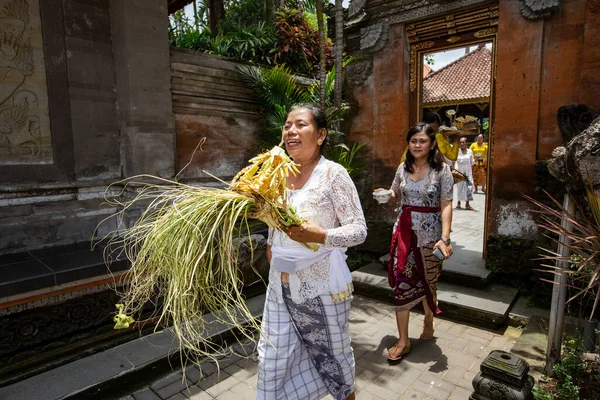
(183, 248)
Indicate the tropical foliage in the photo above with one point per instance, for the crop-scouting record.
(583, 241)
(253, 32)
(278, 90)
(298, 43)
(253, 42)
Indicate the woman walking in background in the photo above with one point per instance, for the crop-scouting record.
(421, 238)
(464, 164)
(480, 150)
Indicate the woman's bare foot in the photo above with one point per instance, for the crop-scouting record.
(428, 329)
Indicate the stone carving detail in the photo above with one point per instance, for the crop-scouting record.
(414, 49)
(358, 72)
(423, 9)
(579, 160)
(24, 332)
(355, 8)
(24, 121)
(574, 119)
(374, 37)
(536, 9)
(486, 32)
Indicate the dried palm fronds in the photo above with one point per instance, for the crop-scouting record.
(183, 247)
(583, 241)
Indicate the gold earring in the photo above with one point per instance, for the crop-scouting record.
(319, 142)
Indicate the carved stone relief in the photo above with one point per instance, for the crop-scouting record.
(486, 32)
(374, 38)
(24, 121)
(536, 9)
(358, 72)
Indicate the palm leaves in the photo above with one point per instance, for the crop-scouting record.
(583, 241)
(277, 91)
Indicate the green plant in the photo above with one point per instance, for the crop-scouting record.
(278, 91)
(583, 241)
(542, 393)
(344, 155)
(298, 43)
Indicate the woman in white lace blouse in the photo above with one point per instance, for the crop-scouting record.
(304, 352)
(424, 184)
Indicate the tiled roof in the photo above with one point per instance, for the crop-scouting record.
(426, 70)
(461, 80)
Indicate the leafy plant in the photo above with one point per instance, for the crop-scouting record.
(345, 156)
(583, 243)
(278, 91)
(249, 42)
(298, 43)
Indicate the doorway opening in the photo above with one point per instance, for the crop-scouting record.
(455, 82)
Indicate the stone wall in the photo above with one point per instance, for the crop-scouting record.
(210, 101)
(25, 136)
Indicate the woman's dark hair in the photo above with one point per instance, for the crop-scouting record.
(435, 158)
(318, 116)
(432, 117)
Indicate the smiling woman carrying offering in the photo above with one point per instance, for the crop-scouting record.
(304, 351)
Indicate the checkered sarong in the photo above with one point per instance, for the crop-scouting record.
(305, 351)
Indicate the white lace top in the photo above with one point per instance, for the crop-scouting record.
(329, 200)
(427, 192)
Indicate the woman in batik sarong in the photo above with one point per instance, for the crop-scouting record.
(423, 182)
(304, 352)
(480, 150)
(464, 164)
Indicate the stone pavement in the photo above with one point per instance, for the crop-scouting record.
(467, 237)
(440, 369)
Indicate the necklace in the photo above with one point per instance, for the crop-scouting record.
(418, 169)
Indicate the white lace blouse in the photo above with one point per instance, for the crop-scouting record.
(329, 200)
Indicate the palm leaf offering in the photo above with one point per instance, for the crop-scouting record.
(184, 247)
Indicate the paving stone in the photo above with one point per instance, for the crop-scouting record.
(431, 390)
(474, 349)
(384, 392)
(146, 394)
(243, 391)
(460, 394)
(454, 374)
(174, 388)
(178, 396)
(480, 333)
(195, 393)
(192, 374)
(241, 374)
(412, 394)
(167, 380)
(222, 386)
(466, 382)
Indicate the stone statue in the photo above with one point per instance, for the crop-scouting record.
(579, 160)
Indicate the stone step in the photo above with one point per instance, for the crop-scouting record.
(488, 307)
(463, 269)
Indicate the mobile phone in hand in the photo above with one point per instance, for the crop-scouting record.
(438, 253)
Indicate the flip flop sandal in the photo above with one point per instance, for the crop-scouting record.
(404, 351)
(469, 208)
